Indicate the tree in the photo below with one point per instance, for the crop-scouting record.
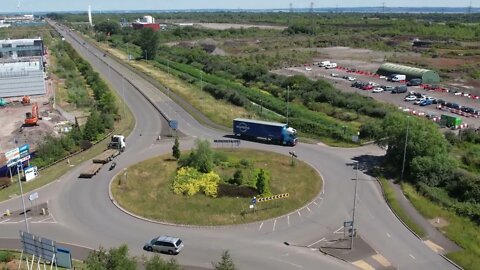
(176, 149)
(157, 263)
(237, 178)
(226, 262)
(113, 259)
(263, 186)
(148, 41)
(92, 127)
(108, 27)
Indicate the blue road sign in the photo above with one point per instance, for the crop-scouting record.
(173, 124)
(254, 200)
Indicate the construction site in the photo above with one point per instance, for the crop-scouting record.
(27, 96)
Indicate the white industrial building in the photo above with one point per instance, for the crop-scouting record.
(22, 67)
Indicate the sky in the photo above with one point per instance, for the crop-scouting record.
(31, 6)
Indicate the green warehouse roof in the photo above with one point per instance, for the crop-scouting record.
(427, 76)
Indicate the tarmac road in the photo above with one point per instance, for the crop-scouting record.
(84, 215)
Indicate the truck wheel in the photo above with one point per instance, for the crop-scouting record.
(150, 249)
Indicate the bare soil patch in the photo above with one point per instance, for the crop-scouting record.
(224, 26)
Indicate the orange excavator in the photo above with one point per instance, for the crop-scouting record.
(26, 100)
(31, 118)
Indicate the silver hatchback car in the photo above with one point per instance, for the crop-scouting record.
(164, 244)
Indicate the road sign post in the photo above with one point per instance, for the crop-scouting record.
(254, 202)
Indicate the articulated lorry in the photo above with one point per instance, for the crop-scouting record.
(115, 147)
(270, 132)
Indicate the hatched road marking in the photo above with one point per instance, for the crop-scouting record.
(363, 265)
(261, 225)
(412, 256)
(316, 242)
(433, 246)
(380, 259)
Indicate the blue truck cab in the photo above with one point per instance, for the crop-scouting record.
(270, 132)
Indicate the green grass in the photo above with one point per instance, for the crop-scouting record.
(459, 229)
(391, 199)
(16, 256)
(147, 191)
(48, 175)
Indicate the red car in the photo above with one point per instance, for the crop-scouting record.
(367, 87)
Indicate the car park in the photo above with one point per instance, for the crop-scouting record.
(377, 90)
(164, 244)
(410, 98)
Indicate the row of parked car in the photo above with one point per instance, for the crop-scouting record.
(377, 88)
(424, 100)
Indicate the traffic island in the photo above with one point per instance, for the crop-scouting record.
(161, 189)
(361, 255)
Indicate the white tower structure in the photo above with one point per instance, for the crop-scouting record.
(90, 15)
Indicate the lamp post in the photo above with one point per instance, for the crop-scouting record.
(405, 149)
(288, 100)
(21, 192)
(354, 206)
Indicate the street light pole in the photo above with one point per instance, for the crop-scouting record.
(405, 149)
(288, 100)
(21, 192)
(354, 206)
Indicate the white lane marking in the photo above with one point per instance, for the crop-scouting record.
(299, 213)
(316, 242)
(4, 221)
(287, 262)
(274, 223)
(412, 256)
(315, 202)
(389, 235)
(261, 225)
(288, 220)
(338, 230)
(309, 209)
(40, 221)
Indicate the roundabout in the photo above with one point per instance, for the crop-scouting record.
(145, 189)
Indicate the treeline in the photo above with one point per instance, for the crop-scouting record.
(100, 121)
(426, 160)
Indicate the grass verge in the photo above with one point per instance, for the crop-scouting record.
(48, 175)
(9, 259)
(459, 229)
(220, 112)
(391, 199)
(147, 191)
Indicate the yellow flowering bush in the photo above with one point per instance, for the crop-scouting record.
(189, 181)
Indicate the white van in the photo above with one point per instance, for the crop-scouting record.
(398, 77)
(324, 63)
(331, 65)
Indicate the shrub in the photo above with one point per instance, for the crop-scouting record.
(237, 178)
(263, 183)
(189, 181)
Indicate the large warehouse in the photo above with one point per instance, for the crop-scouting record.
(22, 78)
(427, 76)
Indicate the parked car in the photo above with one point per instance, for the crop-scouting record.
(414, 82)
(367, 87)
(399, 89)
(388, 87)
(351, 78)
(410, 98)
(334, 74)
(418, 101)
(308, 68)
(377, 90)
(164, 244)
(374, 84)
(426, 102)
